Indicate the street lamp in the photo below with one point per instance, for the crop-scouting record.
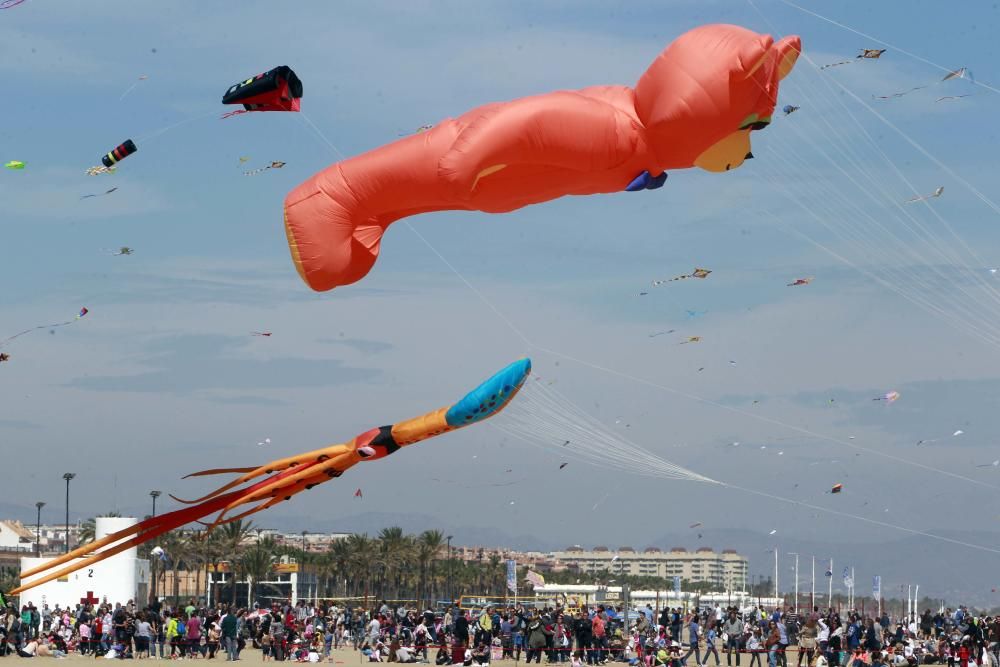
(68, 476)
(38, 527)
(154, 495)
(450, 598)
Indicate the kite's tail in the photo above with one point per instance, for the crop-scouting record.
(139, 533)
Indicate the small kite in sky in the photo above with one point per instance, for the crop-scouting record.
(265, 441)
(119, 153)
(697, 273)
(419, 130)
(124, 250)
(869, 54)
(357, 494)
(4, 356)
(15, 164)
(142, 77)
(563, 465)
(278, 89)
(800, 281)
(83, 311)
(837, 488)
(266, 334)
(890, 397)
(960, 73)
(277, 164)
(773, 532)
(790, 109)
(954, 435)
(937, 193)
(106, 192)
(697, 524)
(691, 339)
(995, 464)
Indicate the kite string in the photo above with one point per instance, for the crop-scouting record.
(879, 41)
(989, 288)
(858, 517)
(146, 138)
(627, 452)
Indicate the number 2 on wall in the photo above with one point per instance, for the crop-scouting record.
(90, 573)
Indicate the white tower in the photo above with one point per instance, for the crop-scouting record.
(120, 578)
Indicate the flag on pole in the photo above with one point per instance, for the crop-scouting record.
(677, 584)
(848, 580)
(512, 576)
(877, 587)
(829, 569)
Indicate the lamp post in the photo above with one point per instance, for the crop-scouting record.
(450, 598)
(796, 580)
(154, 495)
(68, 476)
(38, 527)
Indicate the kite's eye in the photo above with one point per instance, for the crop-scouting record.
(366, 452)
(756, 125)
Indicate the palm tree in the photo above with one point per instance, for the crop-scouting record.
(231, 539)
(339, 555)
(429, 545)
(363, 559)
(256, 563)
(88, 529)
(395, 556)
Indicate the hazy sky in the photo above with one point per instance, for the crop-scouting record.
(162, 377)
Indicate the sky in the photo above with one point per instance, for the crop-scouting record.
(163, 378)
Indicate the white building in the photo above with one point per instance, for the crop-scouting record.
(15, 536)
(727, 570)
(120, 578)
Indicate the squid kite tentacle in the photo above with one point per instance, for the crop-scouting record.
(290, 476)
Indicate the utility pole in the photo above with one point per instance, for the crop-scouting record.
(68, 476)
(776, 572)
(829, 598)
(38, 527)
(451, 600)
(154, 495)
(796, 580)
(812, 596)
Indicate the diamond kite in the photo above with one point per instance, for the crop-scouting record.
(697, 273)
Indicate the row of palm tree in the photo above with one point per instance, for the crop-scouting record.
(391, 566)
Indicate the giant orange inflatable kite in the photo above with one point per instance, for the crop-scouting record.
(695, 106)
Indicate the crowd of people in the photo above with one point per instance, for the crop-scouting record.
(476, 637)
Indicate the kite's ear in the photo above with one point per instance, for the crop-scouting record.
(788, 50)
